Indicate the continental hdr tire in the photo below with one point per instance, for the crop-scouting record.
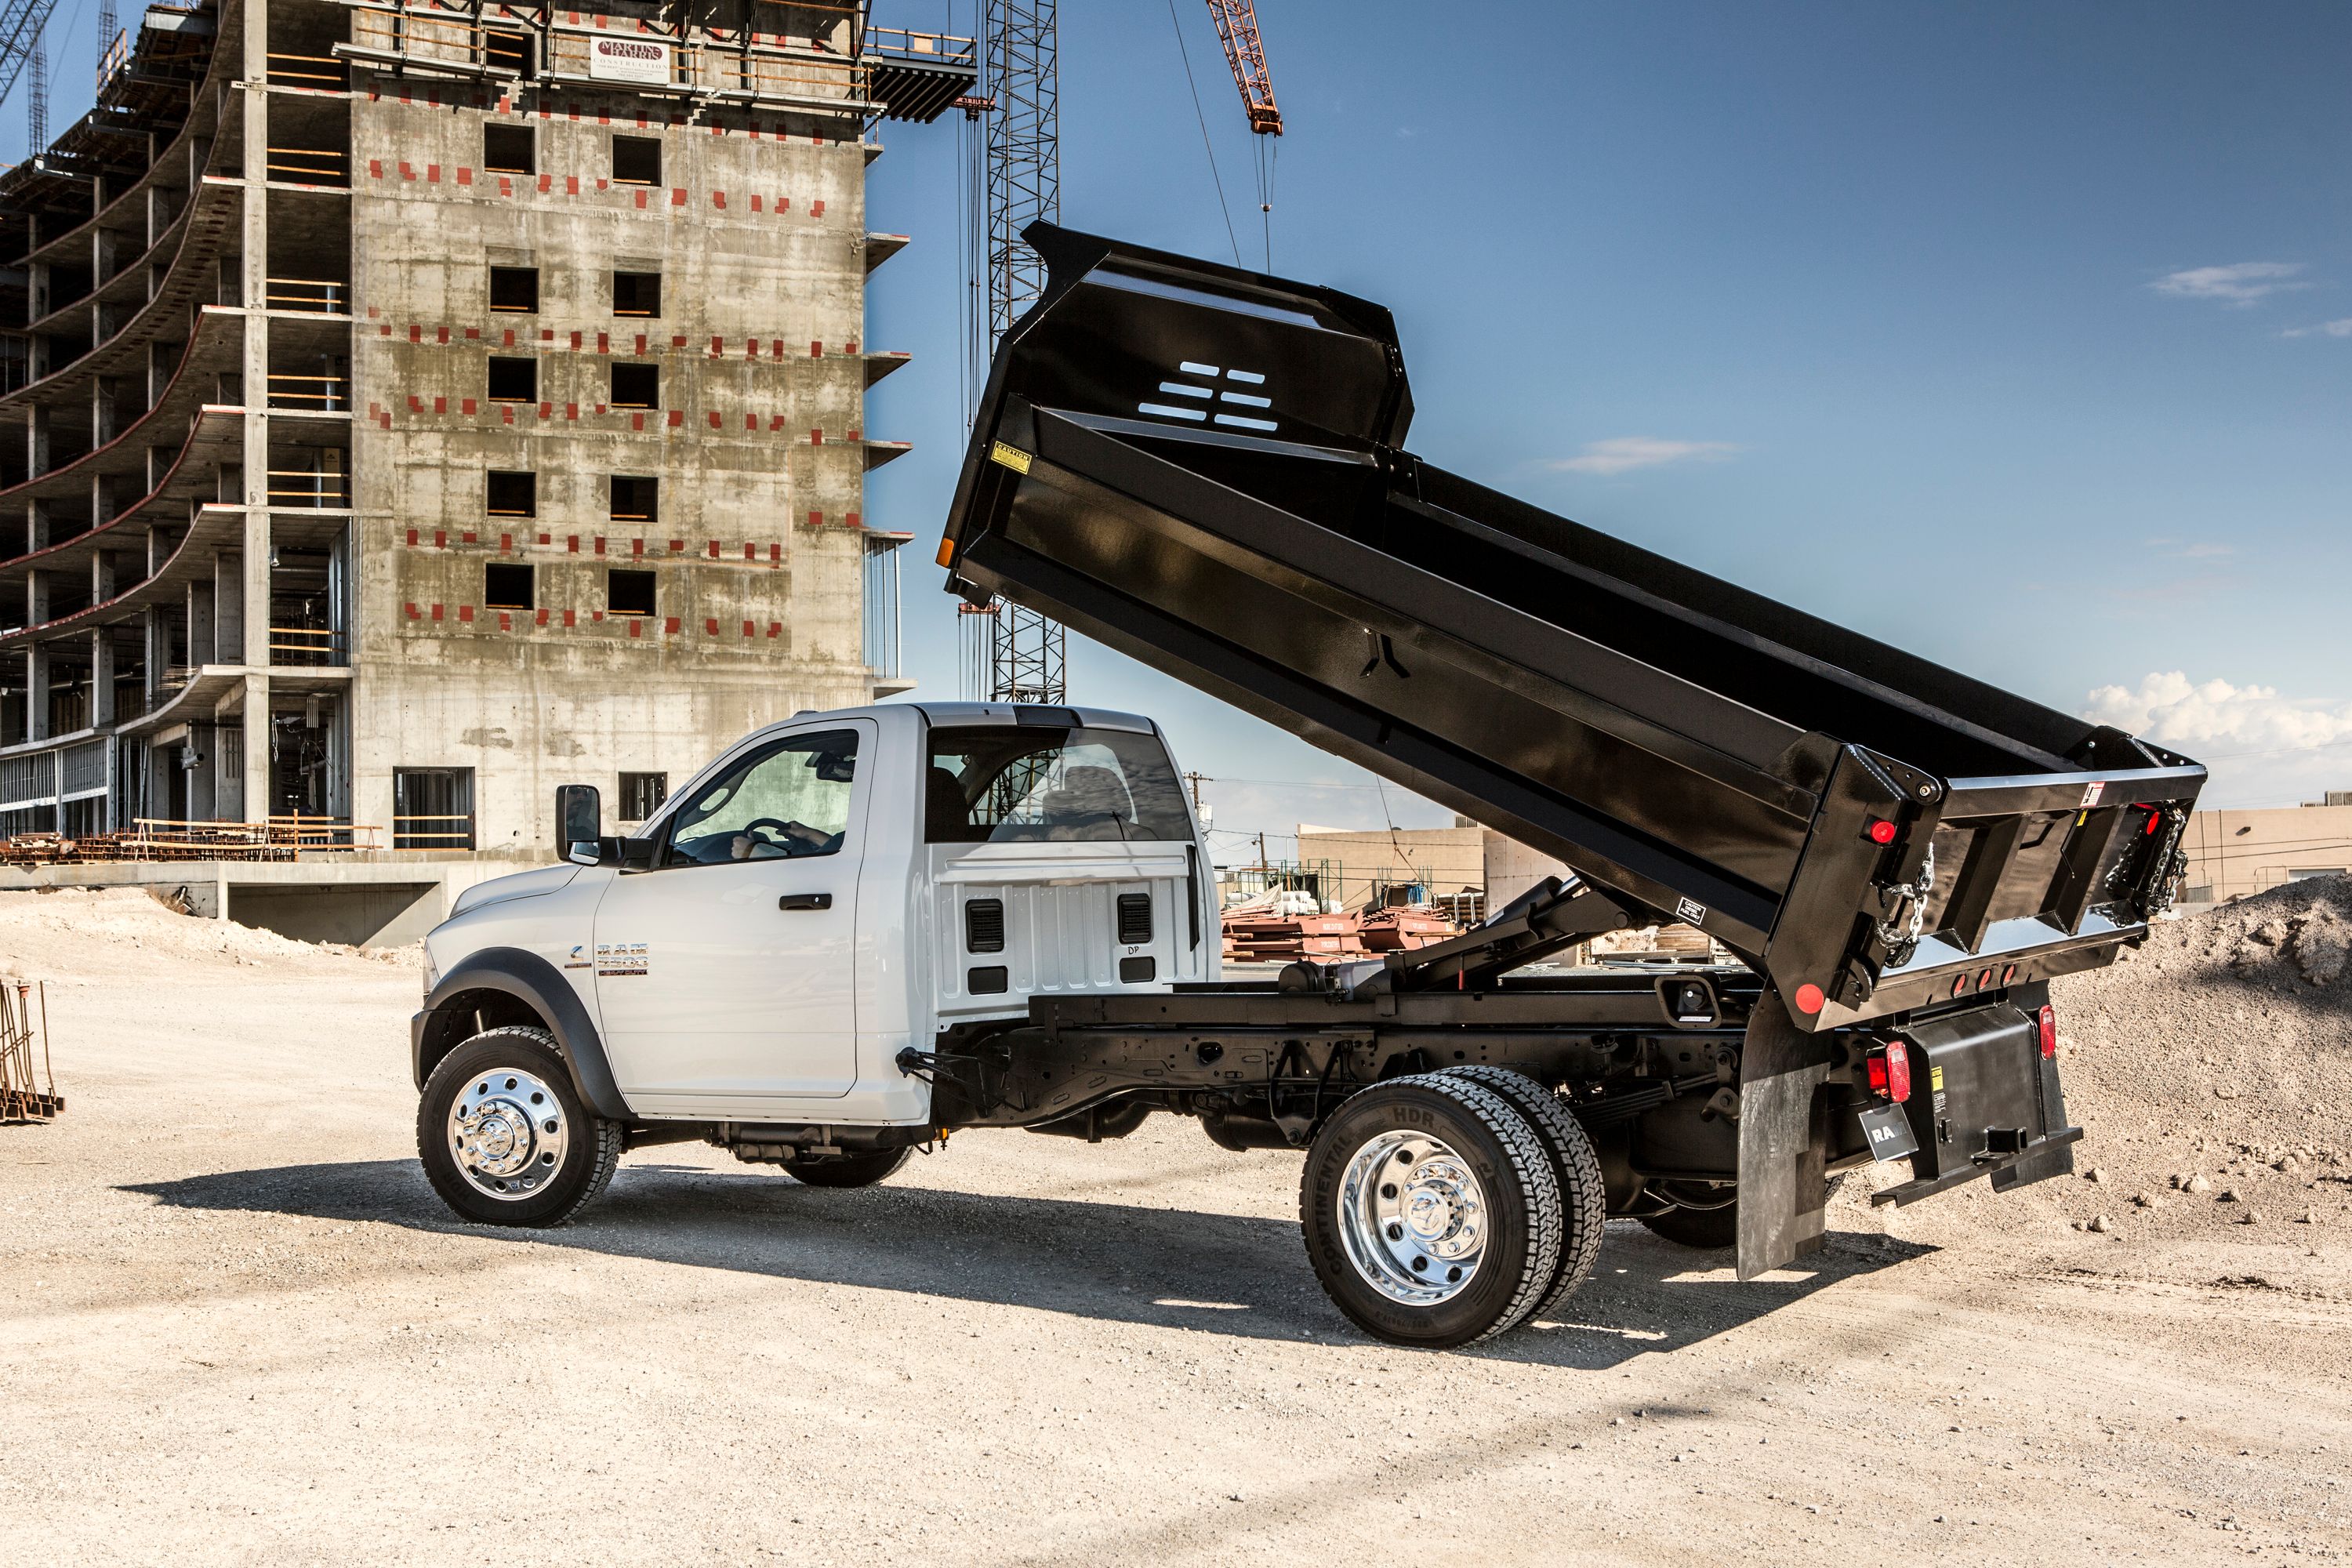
(1710, 1228)
(847, 1170)
(1575, 1168)
(1430, 1213)
(504, 1137)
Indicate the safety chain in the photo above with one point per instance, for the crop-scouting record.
(1899, 941)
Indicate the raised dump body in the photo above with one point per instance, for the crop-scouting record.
(1204, 467)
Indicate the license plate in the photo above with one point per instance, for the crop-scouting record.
(1889, 1132)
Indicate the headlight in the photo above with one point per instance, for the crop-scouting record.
(432, 972)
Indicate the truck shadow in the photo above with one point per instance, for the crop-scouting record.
(1114, 1262)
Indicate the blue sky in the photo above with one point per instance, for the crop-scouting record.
(2003, 333)
(2018, 335)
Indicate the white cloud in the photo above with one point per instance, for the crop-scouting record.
(2336, 329)
(2239, 283)
(2263, 749)
(1623, 454)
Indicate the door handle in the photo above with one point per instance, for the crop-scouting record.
(805, 901)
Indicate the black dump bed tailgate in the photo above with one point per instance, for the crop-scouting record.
(1204, 469)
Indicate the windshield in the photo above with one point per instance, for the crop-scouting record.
(1028, 784)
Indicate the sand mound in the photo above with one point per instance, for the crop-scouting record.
(2211, 1069)
(105, 935)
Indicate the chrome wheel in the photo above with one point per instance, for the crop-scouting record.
(1413, 1218)
(508, 1133)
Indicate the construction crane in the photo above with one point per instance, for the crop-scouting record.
(1016, 655)
(1012, 653)
(21, 22)
(1245, 52)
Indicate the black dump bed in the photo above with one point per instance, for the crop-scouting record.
(1204, 467)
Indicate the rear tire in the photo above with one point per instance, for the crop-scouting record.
(1575, 1169)
(1712, 1229)
(1430, 1213)
(846, 1170)
(504, 1137)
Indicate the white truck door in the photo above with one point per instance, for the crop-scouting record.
(727, 971)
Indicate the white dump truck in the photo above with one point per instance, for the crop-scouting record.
(858, 932)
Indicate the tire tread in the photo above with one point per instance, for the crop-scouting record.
(1583, 1195)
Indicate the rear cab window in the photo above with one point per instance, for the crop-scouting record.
(1032, 784)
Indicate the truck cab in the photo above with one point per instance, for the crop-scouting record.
(829, 892)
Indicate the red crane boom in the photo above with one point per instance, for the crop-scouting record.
(1237, 30)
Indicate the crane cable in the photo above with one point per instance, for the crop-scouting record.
(1206, 145)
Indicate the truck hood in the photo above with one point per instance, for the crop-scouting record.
(521, 885)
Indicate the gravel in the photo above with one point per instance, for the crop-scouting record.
(240, 1329)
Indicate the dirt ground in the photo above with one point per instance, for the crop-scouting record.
(240, 1328)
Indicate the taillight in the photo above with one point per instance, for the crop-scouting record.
(1890, 1072)
(2046, 1021)
(1882, 831)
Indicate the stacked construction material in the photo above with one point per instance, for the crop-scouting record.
(1403, 930)
(1256, 938)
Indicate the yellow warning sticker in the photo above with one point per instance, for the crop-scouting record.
(1935, 1079)
(1013, 458)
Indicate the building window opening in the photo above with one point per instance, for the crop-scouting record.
(635, 386)
(513, 494)
(432, 808)
(506, 585)
(635, 500)
(506, 51)
(629, 593)
(636, 161)
(509, 150)
(637, 294)
(513, 380)
(514, 289)
(642, 794)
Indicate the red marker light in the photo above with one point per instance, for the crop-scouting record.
(2154, 819)
(2008, 975)
(1809, 998)
(1960, 983)
(1890, 1072)
(2046, 1022)
(1882, 831)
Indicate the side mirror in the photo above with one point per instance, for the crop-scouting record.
(579, 818)
(607, 850)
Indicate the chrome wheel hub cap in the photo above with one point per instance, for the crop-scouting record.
(508, 1133)
(1413, 1218)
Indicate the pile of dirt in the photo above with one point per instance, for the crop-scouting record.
(107, 935)
(2211, 1069)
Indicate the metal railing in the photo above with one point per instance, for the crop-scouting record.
(897, 43)
(327, 394)
(310, 488)
(305, 645)
(323, 72)
(310, 166)
(406, 834)
(327, 296)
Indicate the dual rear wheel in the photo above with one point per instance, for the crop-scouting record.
(1441, 1209)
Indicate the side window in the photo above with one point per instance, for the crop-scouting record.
(788, 801)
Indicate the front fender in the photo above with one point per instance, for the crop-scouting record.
(538, 985)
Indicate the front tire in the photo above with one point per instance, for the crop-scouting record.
(846, 1170)
(504, 1137)
(1431, 1213)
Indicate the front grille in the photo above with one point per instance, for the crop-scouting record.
(1134, 919)
(984, 925)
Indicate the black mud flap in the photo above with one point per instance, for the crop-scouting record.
(1783, 1140)
(1984, 1101)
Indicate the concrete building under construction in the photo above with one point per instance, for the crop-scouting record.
(407, 407)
